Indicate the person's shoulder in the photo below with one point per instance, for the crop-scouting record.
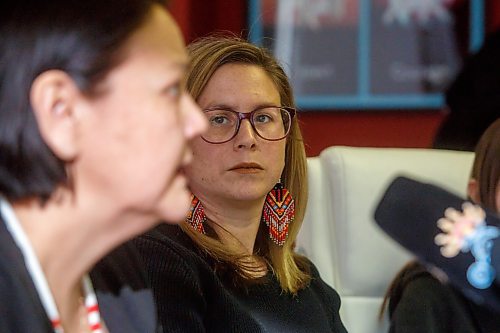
(165, 231)
(168, 234)
(167, 248)
(428, 285)
(125, 299)
(325, 296)
(306, 265)
(309, 268)
(317, 284)
(427, 293)
(418, 287)
(18, 299)
(427, 304)
(121, 267)
(169, 238)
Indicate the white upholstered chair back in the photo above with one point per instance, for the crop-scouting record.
(339, 234)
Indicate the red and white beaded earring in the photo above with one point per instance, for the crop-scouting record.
(196, 215)
(278, 213)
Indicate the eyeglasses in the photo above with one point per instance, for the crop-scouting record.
(271, 123)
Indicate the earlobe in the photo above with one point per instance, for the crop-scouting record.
(473, 191)
(52, 99)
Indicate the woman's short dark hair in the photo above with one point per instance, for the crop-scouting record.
(80, 37)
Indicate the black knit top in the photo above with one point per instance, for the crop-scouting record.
(192, 298)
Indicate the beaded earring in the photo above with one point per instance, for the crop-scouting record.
(278, 212)
(196, 215)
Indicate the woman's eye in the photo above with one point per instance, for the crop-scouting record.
(174, 90)
(219, 120)
(263, 118)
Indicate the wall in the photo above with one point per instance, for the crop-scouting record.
(369, 129)
(380, 128)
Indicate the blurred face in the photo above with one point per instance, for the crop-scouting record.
(246, 167)
(134, 137)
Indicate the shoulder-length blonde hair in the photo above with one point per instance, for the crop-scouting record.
(292, 270)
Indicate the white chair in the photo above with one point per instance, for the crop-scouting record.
(339, 234)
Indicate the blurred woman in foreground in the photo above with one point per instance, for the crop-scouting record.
(92, 108)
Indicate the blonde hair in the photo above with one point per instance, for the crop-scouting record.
(292, 270)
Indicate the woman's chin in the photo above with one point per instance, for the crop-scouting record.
(175, 206)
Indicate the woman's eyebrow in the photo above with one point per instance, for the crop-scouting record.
(227, 107)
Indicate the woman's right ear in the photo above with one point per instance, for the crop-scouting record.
(473, 190)
(52, 98)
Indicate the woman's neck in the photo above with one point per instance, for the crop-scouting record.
(236, 222)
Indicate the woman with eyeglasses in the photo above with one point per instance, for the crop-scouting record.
(232, 267)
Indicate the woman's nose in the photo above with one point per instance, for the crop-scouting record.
(195, 122)
(246, 136)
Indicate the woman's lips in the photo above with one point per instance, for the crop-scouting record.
(247, 168)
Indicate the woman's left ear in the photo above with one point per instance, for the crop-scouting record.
(52, 97)
(473, 190)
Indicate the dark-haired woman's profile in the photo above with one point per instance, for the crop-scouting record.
(92, 108)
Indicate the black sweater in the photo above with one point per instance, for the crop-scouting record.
(192, 298)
